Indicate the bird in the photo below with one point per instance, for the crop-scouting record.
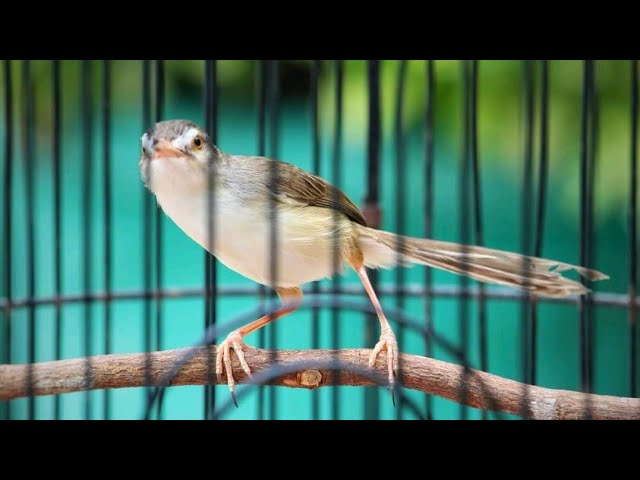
(196, 184)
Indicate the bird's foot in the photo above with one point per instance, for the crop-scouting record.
(389, 344)
(223, 356)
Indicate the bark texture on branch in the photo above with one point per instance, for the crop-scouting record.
(483, 390)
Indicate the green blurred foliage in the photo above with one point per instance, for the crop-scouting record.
(500, 106)
(501, 153)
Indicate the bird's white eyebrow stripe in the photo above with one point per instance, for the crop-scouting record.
(184, 140)
(180, 138)
(190, 133)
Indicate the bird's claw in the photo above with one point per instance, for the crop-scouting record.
(223, 356)
(389, 344)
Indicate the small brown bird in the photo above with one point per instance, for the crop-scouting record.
(184, 170)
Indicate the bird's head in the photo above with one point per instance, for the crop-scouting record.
(176, 154)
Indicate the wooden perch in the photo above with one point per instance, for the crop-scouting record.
(483, 390)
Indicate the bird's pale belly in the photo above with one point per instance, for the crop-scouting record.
(304, 248)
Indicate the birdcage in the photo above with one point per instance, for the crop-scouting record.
(109, 311)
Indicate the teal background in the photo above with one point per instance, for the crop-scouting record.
(182, 265)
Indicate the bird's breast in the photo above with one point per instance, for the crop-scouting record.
(301, 240)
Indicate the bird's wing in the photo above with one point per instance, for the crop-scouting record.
(300, 186)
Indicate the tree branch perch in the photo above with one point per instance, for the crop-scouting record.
(483, 390)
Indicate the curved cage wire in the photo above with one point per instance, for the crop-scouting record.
(510, 155)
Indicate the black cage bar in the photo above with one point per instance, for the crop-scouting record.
(395, 149)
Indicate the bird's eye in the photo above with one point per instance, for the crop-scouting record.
(197, 142)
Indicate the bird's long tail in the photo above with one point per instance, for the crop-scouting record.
(540, 276)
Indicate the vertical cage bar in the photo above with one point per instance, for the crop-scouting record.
(633, 232)
(8, 218)
(159, 233)
(429, 160)
(477, 213)
(316, 66)
(465, 200)
(336, 159)
(147, 211)
(262, 82)
(401, 187)
(87, 148)
(591, 222)
(540, 210)
(106, 179)
(372, 211)
(57, 213)
(211, 271)
(585, 342)
(274, 179)
(526, 212)
(29, 172)
(584, 374)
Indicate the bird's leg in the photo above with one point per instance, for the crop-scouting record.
(387, 340)
(290, 298)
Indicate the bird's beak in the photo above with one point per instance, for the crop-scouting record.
(165, 149)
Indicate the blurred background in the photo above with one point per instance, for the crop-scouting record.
(503, 120)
